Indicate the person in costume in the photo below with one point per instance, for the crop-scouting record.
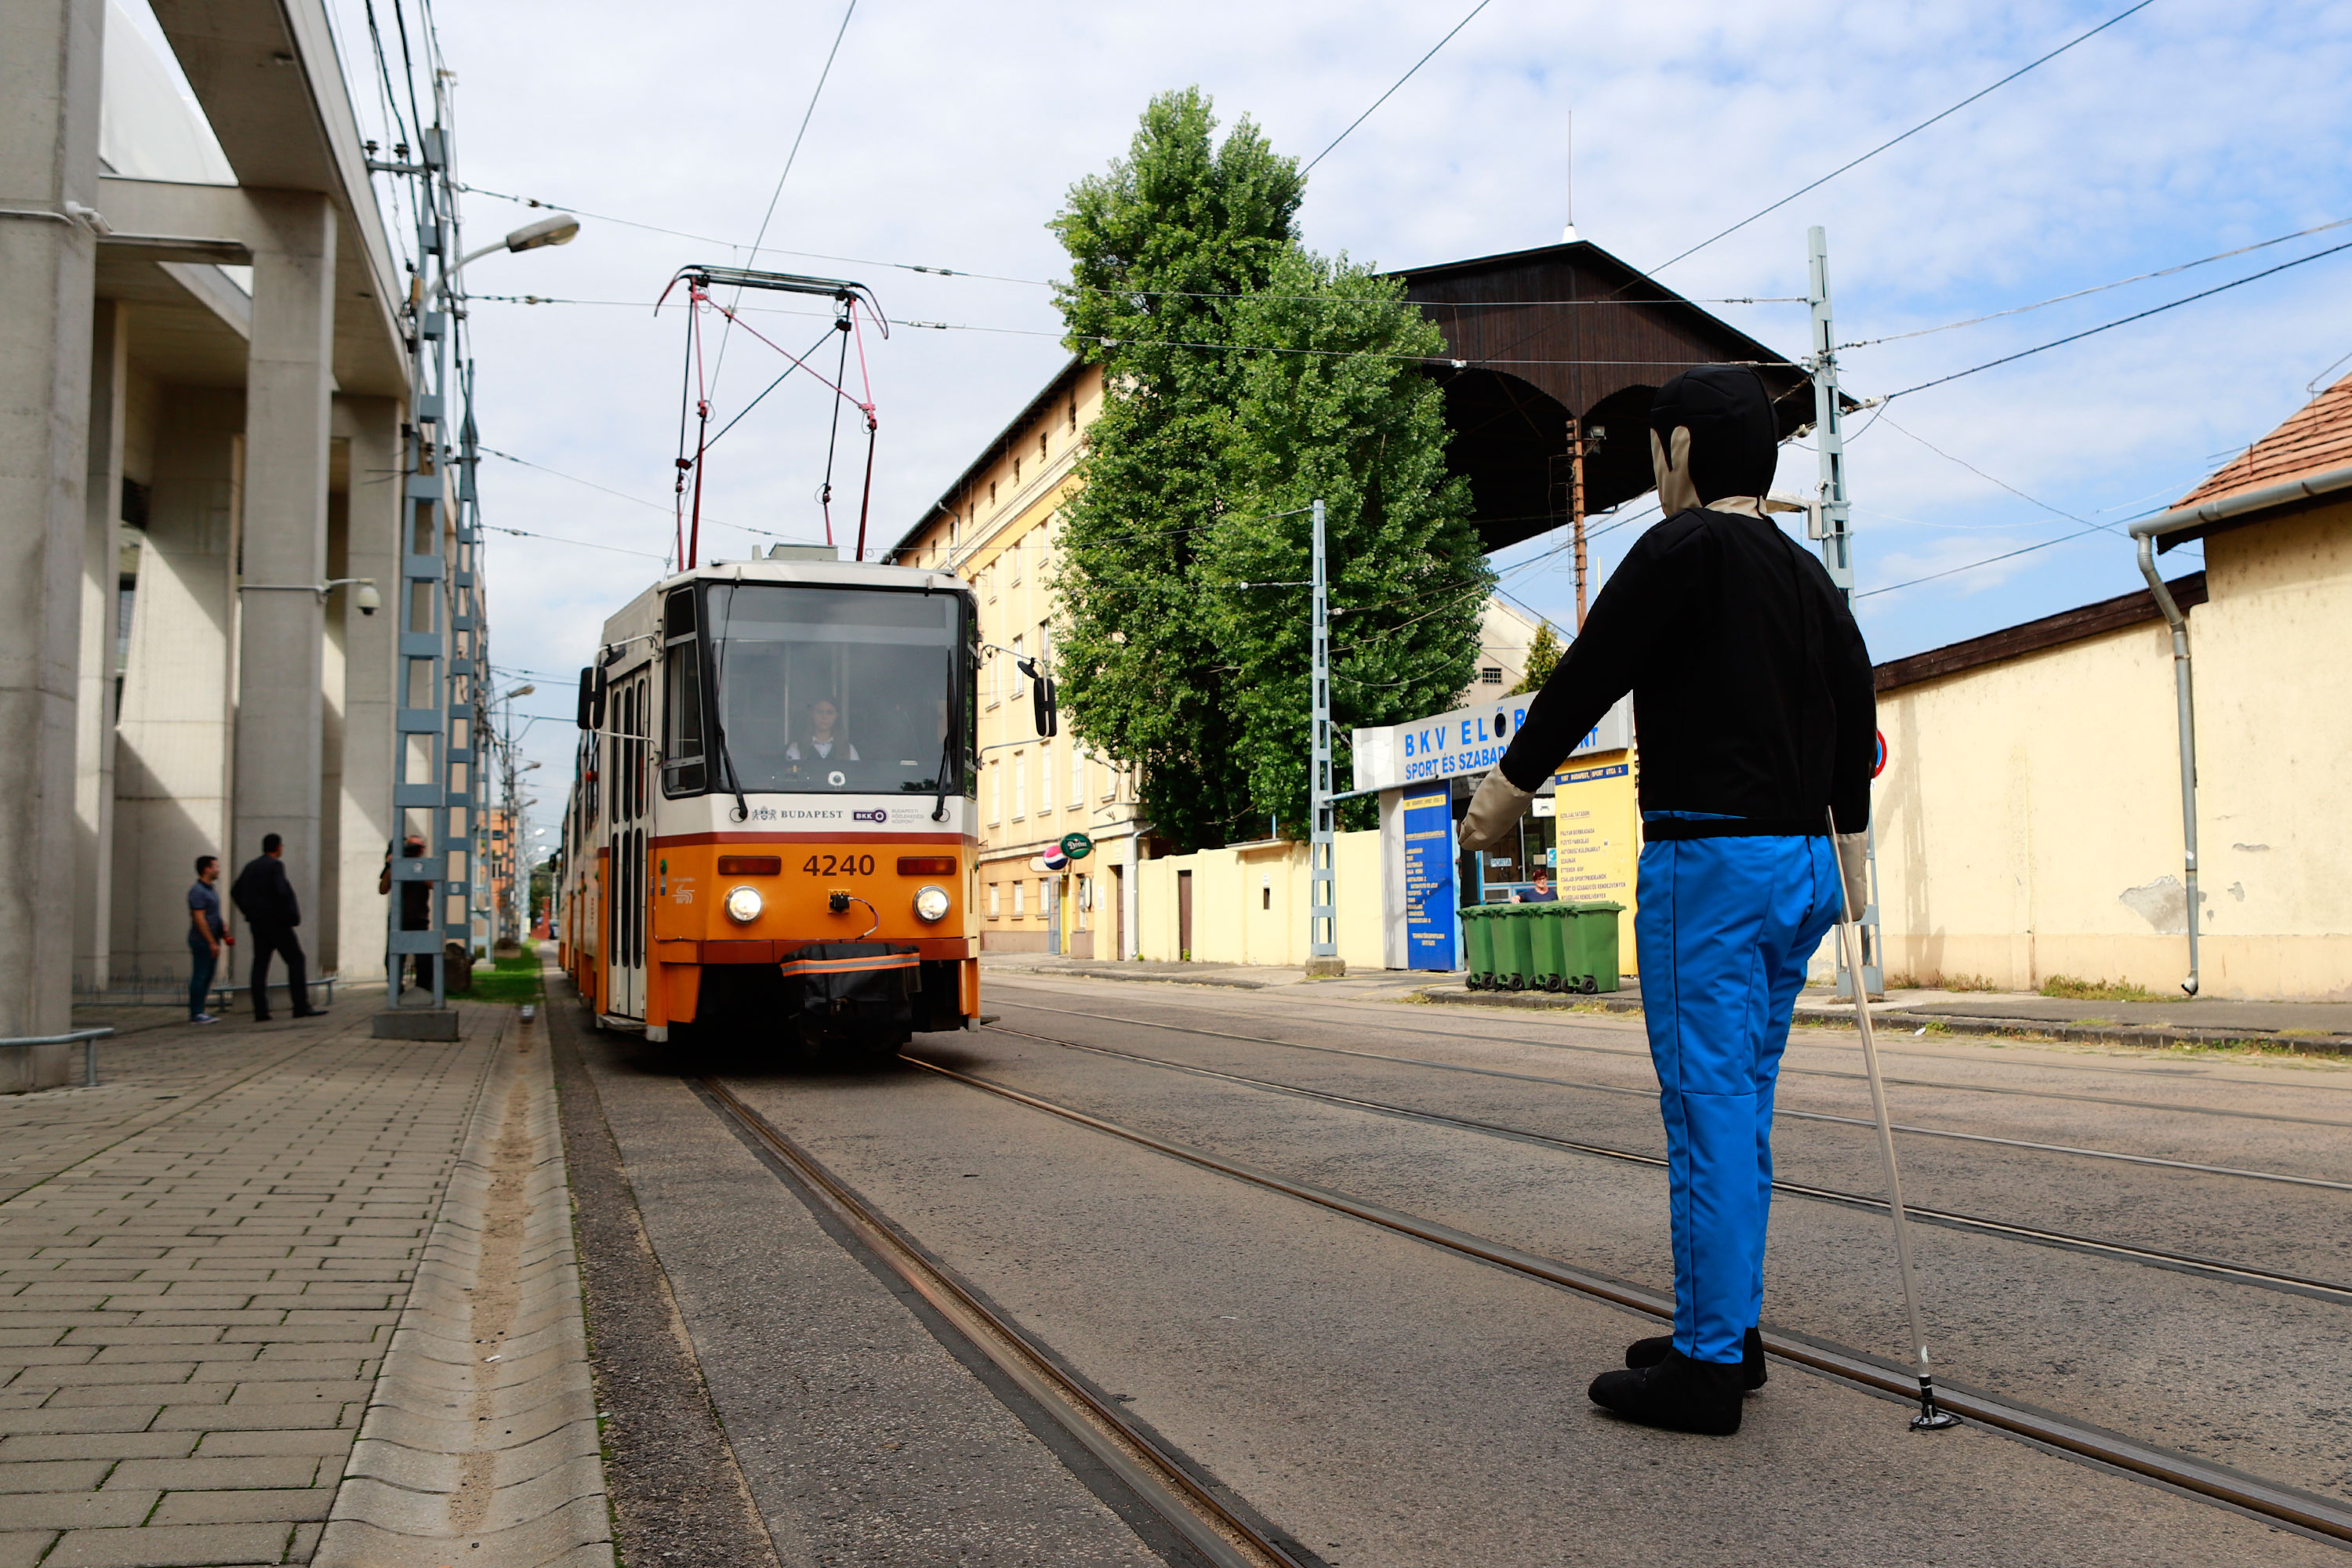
(1753, 702)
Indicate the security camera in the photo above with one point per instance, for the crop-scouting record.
(368, 599)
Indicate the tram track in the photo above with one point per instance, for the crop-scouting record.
(2324, 1517)
(1222, 1532)
(1788, 1070)
(2239, 1273)
(2281, 1177)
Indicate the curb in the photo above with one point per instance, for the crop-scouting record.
(481, 1431)
(1952, 1023)
(1144, 979)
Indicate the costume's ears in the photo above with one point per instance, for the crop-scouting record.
(1675, 491)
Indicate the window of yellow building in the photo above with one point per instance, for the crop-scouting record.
(1020, 791)
(993, 889)
(1018, 889)
(1045, 777)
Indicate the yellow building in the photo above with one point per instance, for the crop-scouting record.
(2030, 816)
(996, 527)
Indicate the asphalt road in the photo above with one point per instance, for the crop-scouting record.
(1383, 1401)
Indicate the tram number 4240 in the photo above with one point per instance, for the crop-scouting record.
(840, 865)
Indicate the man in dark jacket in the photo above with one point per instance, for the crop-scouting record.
(1753, 699)
(266, 898)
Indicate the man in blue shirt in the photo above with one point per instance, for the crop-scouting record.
(207, 932)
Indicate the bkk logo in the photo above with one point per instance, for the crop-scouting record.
(869, 816)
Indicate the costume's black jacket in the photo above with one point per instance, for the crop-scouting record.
(1752, 692)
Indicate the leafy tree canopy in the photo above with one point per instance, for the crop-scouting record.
(1246, 377)
(1543, 658)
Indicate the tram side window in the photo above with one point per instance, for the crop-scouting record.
(683, 768)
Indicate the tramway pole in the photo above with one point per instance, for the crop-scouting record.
(1322, 912)
(1835, 534)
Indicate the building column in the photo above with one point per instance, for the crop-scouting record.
(370, 664)
(179, 682)
(48, 157)
(288, 392)
(109, 374)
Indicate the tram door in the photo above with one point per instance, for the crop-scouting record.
(628, 713)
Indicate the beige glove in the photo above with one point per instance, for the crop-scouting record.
(1853, 869)
(1499, 804)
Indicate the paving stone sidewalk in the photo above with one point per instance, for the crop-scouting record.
(202, 1262)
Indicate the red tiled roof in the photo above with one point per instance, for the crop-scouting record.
(2318, 437)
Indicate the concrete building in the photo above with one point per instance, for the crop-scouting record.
(2030, 820)
(202, 383)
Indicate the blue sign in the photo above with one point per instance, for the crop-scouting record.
(1428, 903)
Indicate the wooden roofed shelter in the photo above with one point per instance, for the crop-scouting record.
(1537, 338)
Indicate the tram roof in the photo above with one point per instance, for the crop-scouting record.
(636, 618)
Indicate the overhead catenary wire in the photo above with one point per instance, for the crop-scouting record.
(789, 159)
(2099, 289)
(1906, 136)
(2122, 320)
(1400, 81)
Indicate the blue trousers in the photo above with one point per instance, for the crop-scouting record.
(1724, 930)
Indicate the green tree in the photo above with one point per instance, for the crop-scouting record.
(1543, 658)
(1245, 378)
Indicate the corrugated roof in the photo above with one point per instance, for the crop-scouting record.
(2318, 437)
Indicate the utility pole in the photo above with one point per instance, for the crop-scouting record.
(1579, 444)
(1322, 908)
(1834, 532)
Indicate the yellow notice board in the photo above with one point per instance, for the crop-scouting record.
(1598, 831)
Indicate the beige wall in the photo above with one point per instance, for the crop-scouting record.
(1249, 905)
(2028, 819)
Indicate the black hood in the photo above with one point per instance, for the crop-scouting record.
(1734, 446)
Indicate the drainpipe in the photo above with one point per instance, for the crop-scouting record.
(2144, 534)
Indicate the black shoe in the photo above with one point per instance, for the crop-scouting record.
(1651, 1351)
(1678, 1394)
(261, 1018)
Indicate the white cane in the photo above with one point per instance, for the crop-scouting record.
(1929, 1419)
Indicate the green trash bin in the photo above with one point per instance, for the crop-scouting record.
(1590, 957)
(1549, 941)
(1515, 961)
(1478, 938)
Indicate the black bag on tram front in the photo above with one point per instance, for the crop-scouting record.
(854, 988)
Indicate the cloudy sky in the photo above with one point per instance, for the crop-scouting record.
(948, 134)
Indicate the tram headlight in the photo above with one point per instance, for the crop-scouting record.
(931, 903)
(743, 905)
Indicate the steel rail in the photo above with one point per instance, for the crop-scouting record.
(2278, 1176)
(2268, 1500)
(2168, 1075)
(1157, 1478)
(2180, 1261)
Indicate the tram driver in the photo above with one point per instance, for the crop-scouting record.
(823, 741)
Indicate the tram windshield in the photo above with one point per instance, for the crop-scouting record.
(831, 690)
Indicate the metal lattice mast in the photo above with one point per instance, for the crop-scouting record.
(1837, 546)
(1322, 921)
(422, 714)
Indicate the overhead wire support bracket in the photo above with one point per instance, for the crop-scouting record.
(706, 276)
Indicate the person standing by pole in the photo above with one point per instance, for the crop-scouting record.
(266, 898)
(1753, 699)
(206, 933)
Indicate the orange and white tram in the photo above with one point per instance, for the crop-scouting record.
(772, 808)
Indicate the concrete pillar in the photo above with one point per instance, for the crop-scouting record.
(109, 377)
(370, 665)
(49, 55)
(289, 387)
(179, 685)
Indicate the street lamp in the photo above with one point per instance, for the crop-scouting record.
(560, 229)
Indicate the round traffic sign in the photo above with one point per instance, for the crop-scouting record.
(1878, 761)
(1077, 845)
